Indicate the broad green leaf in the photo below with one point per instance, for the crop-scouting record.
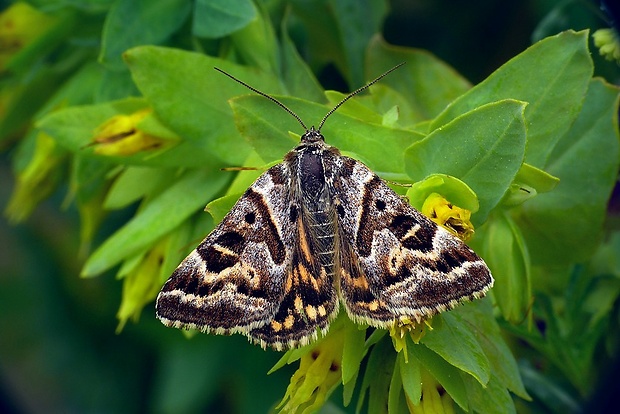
(266, 126)
(135, 183)
(115, 85)
(216, 18)
(484, 148)
(565, 225)
(448, 375)
(427, 83)
(551, 76)
(338, 32)
(478, 318)
(507, 255)
(357, 22)
(296, 74)
(256, 43)
(125, 26)
(160, 215)
(468, 356)
(492, 399)
(190, 97)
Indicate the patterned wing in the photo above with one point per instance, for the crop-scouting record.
(400, 265)
(234, 281)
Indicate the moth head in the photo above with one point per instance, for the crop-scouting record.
(312, 135)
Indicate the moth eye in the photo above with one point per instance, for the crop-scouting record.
(340, 210)
(293, 213)
(250, 217)
(380, 205)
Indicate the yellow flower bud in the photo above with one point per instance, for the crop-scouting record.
(608, 44)
(122, 136)
(37, 180)
(141, 284)
(454, 219)
(20, 26)
(435, 399)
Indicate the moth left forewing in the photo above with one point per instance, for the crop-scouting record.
(410, 267)
(234, 280)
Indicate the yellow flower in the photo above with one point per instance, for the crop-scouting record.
(20, 26)
(37, 180)
(402, 328)
(608, 44)
(454, 219)
(318, 375)
(121, 136)
(141, 284)
(435, 399)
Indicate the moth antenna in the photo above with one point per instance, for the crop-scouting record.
(355, 92)
(271, 98)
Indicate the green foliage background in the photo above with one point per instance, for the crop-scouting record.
(533, 144)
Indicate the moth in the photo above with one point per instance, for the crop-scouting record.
(316, 232)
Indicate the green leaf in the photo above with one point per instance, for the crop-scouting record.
(527, 184)
(565, 225)
(135, 183)
(216, 18)
(353, 351)
(296, 74)
(427, 83)
(494, 398)
(122, 29)
(507, 255)
(190, 97)
(467, 356)
(159, 216)
(377, 377)
(219, 207)
(357, 22)
(339, 30)
(410, 375)
(478, 318)
(551, 76)
(448, 375)
(536, 178)
(484, 148)
(266, 126)
(395, 390)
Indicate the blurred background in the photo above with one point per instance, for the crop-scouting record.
(58, 348)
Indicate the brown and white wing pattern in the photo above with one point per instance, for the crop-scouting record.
(256, 273)
(397, 264)
(234, 281)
